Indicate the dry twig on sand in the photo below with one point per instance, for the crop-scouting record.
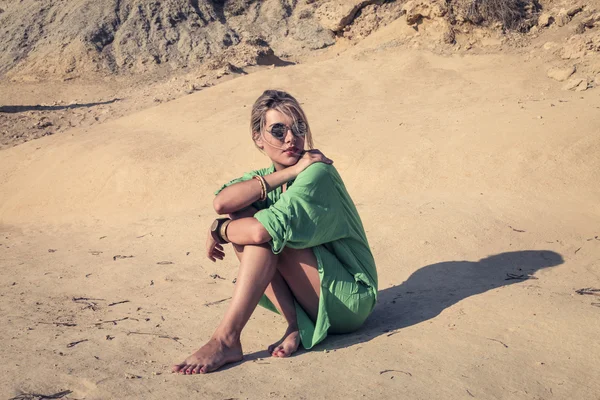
(175, 338)
(516, 230)
(73, 344)
(58, 323)
(519, 276)
(39, 396)
(589, 290)
(394, 370)
(118, 302)
(496, 340)
(216, 302)
(114, 321)
(88, 301)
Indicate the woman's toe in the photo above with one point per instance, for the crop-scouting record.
(276, 351)
(178, 367)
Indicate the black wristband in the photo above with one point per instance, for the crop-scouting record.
(215, 230)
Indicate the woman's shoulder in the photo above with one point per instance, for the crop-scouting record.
(319, 172)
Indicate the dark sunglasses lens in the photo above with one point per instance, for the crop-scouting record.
(299, 129)
(278, 131)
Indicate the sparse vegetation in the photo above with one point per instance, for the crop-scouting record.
(512, 14)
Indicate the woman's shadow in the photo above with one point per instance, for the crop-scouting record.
(433, 288)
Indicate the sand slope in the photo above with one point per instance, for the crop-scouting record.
(464, 169)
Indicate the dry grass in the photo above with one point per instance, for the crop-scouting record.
(512, 14)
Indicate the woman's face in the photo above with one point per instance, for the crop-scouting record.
(285, 152)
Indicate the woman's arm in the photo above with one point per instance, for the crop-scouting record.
(240, 195)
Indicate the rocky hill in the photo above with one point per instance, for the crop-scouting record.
(65, 38)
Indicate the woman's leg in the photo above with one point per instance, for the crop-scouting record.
(296, 271)
(300, 269)
(277, 292)
(256, 271)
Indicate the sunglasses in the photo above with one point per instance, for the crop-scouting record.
(279, 130)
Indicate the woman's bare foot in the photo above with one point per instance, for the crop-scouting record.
(287, 345)
(211, 356)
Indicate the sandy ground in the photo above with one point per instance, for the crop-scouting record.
(477, 181)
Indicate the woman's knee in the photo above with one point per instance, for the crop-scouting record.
(240, 249)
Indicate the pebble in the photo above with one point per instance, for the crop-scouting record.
(574, 83)
(561, 74)
(545, 19)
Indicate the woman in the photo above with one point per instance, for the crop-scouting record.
(301, 245)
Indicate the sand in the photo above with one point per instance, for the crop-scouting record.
(477, 181)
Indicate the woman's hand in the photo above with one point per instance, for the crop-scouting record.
(310, 157)
(214, 251)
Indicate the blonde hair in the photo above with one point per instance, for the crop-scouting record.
(284, 103)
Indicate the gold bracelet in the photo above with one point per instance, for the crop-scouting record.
(223, 231)
(263, 187)
(264, 184)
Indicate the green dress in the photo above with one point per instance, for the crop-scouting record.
(317, 212)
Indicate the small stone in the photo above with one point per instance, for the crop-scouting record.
(582, 86)
(545, 19)
(573, 52)
(571, 12)
(561, 74)
(562, 18)
(588, 23)
(540, 117)
(550, 45)
(44, 124)
(192, 87)
(416, 10)
(573, 83)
